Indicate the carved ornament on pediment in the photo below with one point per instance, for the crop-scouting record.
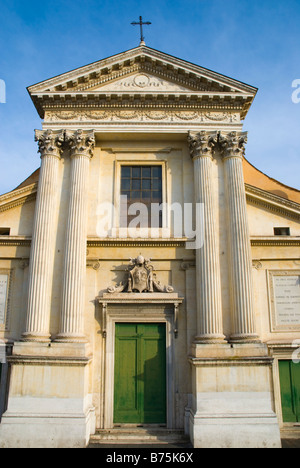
(142, 80)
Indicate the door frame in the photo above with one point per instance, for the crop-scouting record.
(138, 313)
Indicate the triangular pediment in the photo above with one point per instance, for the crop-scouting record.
(142, 71)
(139, 61)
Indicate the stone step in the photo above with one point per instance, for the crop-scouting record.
(127, 435)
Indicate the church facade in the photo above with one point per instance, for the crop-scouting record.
(149, 274)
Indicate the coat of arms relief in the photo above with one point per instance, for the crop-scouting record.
(140, 278)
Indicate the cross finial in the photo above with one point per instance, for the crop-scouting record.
(141, 23)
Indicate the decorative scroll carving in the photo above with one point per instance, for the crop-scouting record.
(140, 279)
(118, 288)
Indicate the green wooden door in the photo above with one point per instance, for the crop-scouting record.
(140, 373)
(290, 390)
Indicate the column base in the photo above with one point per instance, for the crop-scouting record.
(36, 337)
(211, 339)
(70, 338)
(244, 338)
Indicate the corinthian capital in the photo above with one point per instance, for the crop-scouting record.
(81, 142)
(233, 144)
(50, 142)
(201, 144)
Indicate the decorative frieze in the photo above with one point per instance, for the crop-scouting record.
(141, 115)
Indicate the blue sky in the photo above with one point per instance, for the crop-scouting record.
(254, 41)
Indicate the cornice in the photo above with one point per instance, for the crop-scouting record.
(279, 345)
(265, 241)
(140, 100)
(275, 241)
(158, 243)
(142, 298)
(18, 197)
(272, 202)
(15, 241)
(51, 361)
(142, 59)
(245, 361)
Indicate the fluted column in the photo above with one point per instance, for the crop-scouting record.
(43, 238)
(208, 284)
(243, 321)
(72, 312)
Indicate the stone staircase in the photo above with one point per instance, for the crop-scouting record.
(139, 437)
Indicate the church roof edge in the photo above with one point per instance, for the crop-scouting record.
(145, 49)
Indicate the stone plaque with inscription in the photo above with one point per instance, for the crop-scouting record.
(285, 289)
